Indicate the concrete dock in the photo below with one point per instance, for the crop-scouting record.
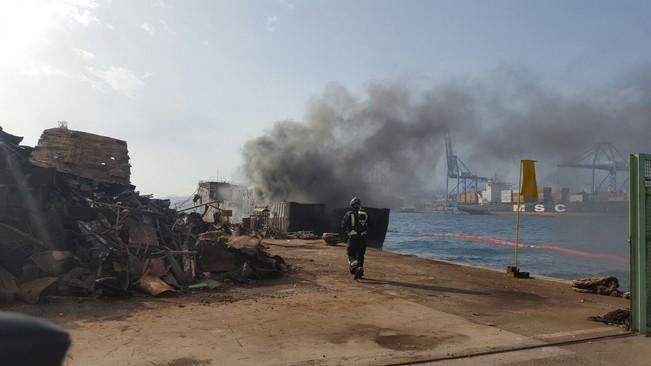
(407, 310)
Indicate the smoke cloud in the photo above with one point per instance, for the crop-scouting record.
(385, 146)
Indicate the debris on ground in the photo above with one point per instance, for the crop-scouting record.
(274, 233)
(154, 285)
(302, 235)
(621, 317)
(331, 238)
(308, 221)
(72, 225)
(608, 286)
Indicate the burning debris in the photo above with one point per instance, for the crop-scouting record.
(71, 224)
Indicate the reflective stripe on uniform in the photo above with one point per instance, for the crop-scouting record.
(354, 264)
(360, 223)
(363, 218)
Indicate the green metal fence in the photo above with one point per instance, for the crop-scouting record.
(640, 238)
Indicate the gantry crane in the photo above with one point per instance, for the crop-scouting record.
(603, 158)
(459, 177)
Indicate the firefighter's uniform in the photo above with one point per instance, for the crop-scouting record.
(355, 226)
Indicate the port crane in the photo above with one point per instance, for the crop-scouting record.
(459, 177)
(603, 158)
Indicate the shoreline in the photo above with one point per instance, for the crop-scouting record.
(478, 266)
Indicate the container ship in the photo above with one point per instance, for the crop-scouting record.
(499, 199)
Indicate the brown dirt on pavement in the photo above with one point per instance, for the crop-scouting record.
(407, 308)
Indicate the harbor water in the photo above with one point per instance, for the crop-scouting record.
(556, 246)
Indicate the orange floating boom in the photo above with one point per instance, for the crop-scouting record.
(509, 243)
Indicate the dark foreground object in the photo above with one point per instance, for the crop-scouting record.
(27, 341)
(516, 273)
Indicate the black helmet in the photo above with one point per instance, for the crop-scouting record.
(355, 202)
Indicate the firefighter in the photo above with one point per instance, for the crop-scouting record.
(355, 227)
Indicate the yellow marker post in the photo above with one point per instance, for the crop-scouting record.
(517, 223)
(528, 188)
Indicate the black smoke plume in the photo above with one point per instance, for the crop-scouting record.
(386, 145)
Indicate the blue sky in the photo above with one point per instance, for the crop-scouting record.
(186, 83)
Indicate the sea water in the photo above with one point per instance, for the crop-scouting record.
(597, 245)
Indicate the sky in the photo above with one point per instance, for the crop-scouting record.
(187, 83)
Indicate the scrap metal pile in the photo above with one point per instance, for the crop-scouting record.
(71, 224)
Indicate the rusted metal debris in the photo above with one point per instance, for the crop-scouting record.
(154, 285)
(71, 225)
